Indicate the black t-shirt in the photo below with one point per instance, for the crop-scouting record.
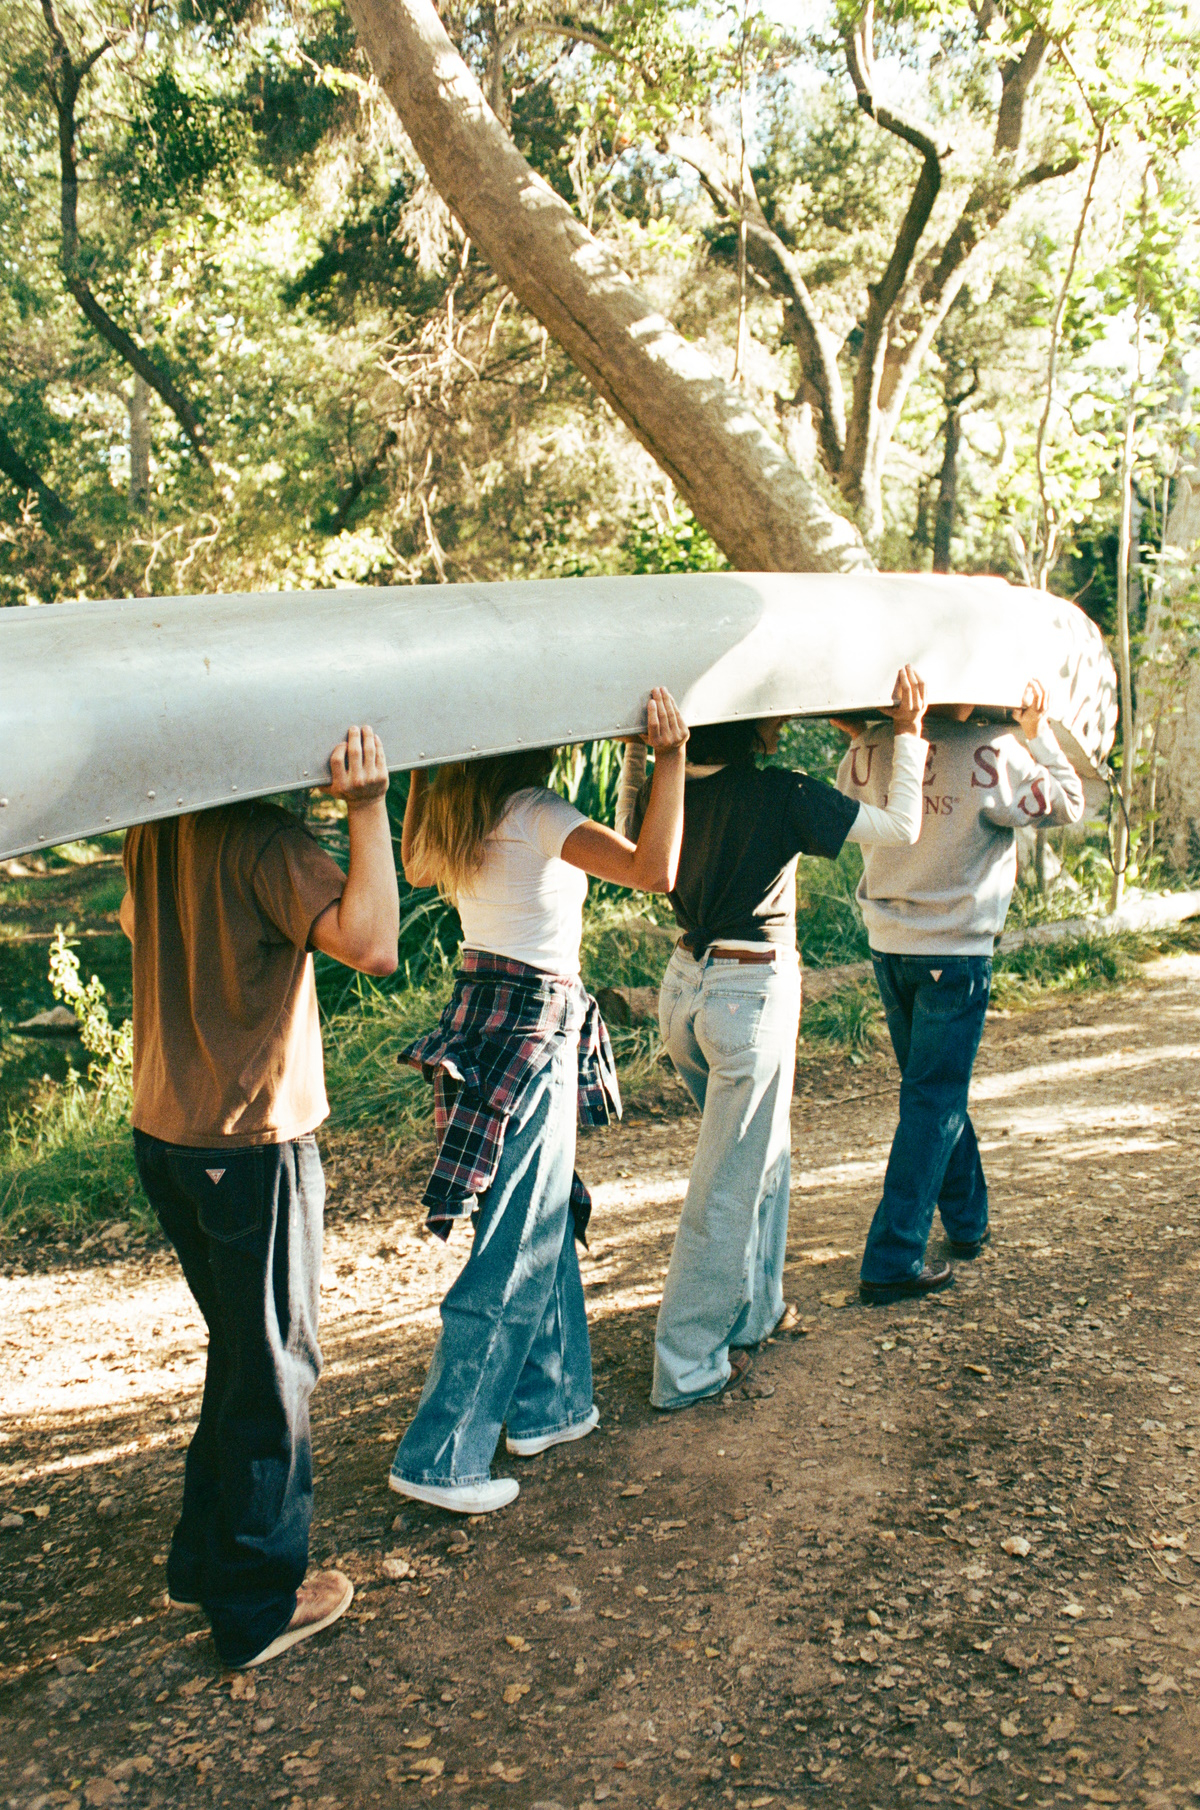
(743, 828)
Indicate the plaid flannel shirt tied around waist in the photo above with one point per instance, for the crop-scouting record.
(504, 1023)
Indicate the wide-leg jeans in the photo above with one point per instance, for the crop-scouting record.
(730, 1029)
(514, 1343)
(246, 1226)
(935, 1009)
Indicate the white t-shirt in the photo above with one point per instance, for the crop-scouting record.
(525, 902)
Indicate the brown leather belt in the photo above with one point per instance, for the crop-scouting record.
(753, 956)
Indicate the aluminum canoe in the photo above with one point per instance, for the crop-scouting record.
(113, 713)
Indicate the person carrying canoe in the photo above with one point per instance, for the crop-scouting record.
(933, 913)
(223, 909)
(729, 1010)
(519, 1049)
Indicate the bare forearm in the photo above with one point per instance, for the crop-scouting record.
(656, 857)
(368, 913)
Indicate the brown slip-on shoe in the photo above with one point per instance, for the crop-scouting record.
(320, 1600)
(741, 1363)
(927, 1283)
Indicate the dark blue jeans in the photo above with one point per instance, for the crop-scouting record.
(935, 1009)
(246, 1226)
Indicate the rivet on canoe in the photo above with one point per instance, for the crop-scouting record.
(149, 794)
(3, 802)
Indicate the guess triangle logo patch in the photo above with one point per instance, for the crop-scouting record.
(936, 972)
(214, 1175)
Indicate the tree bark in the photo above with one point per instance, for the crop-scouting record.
(139, 443)
(912, 298)
(64, 86)
(1168, 709)
(739, 482)
(53, 510)
(943, 526)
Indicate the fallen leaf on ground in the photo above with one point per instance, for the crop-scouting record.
(510, 1774)
(512, 1693)
(419, 1741)
(517, 1642)
(1017, 1546)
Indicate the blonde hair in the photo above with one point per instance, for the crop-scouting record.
(462, 805)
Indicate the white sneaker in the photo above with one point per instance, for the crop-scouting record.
(460, 1498)
(529, 1448)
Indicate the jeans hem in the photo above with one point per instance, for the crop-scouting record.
(236, 1656)
(685, 1401)
(560, 1426)
(429, 1481)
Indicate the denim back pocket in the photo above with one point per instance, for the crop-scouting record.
(226, 1190)
(731, 1016)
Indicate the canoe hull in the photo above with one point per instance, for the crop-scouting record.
(114, 713)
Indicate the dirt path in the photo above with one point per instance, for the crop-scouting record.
(941, 1552)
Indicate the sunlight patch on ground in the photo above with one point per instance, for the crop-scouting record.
(1079, 1068)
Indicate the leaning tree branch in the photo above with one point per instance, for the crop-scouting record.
(883, 296)
(759, 507)
(550, 28)
(26, 478)
(64, 84)
(773, 260)
(1017, 78)
(860, 60)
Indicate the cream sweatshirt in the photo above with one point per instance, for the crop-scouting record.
(949, 893)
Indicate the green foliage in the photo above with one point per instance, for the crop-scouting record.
(677, 545)
(177, 142)
(850, 1019)
(67, 1160)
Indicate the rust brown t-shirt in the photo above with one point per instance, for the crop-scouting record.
(226, 1038)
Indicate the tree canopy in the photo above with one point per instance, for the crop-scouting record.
(930, 250)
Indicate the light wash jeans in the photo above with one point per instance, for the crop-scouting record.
(514, 1341)
(730, 1029)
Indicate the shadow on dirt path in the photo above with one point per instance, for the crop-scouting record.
(934, 1553)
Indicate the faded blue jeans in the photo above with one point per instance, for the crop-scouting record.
(935, 1007)
(730, 1029)
(514, 1341)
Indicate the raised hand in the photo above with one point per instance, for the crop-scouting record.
(1031, 717)
(359, 767)
(907, 709)
(665, 727)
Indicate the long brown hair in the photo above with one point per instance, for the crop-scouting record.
(463, 803)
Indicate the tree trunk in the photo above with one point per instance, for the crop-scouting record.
(1169, 680)
(139, 443)
(943, 526)
(741, 486)
(54, 511)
